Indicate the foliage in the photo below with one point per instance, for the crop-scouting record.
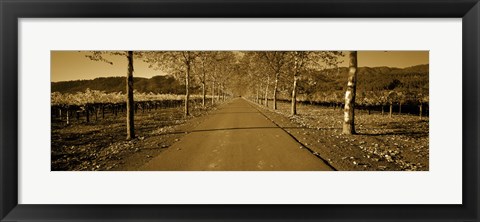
(99, 97)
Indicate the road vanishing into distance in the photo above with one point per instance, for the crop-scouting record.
(236, 137)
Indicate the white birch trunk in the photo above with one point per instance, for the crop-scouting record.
(294, 90)
(266, 91)
(275, 91)
(349, 109)
(187, 93)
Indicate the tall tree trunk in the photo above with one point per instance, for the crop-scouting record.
(266, 91)
(213, 92)
(399, 108)
(391, 109)
(219, 91)
(203, 94)
(220, 95)
(130, 102)
(68, 117)
(349, 110)
(203, 86)
(187, 93)
(275, 91)
(223, 93)
(294, 90)
(257, 97)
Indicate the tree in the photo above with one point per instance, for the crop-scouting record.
(276, 61)
(204, 61)
(227, 66)
(368, 101)
(401, 100)
(100, 56)
(177, 62)
(253, 75)
(313, 61)
(208, 65)
(130, 103)
(213, 78)
(188, 59)
(298, 61)
(421, 98)
(392, 97)
(349, 110)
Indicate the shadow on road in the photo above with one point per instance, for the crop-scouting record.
(226, 129)
(223, 113)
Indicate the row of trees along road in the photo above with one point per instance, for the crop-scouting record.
(295, 62)
(291, 71)
(251, 74)
(214, 66)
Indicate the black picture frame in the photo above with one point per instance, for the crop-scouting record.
(11, 11)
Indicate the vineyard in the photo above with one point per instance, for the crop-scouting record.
(391, 102)
(82, 107)
(88, 127)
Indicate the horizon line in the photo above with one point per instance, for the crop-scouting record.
(172, 76)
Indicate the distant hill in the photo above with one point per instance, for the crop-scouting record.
(156, 84)
(415, 78)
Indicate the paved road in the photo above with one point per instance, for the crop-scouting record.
(236, 137)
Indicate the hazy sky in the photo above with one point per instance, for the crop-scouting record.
(399, 59)
(73, 65)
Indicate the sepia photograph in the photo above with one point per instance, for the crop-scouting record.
(239, 110)
(271, 110)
